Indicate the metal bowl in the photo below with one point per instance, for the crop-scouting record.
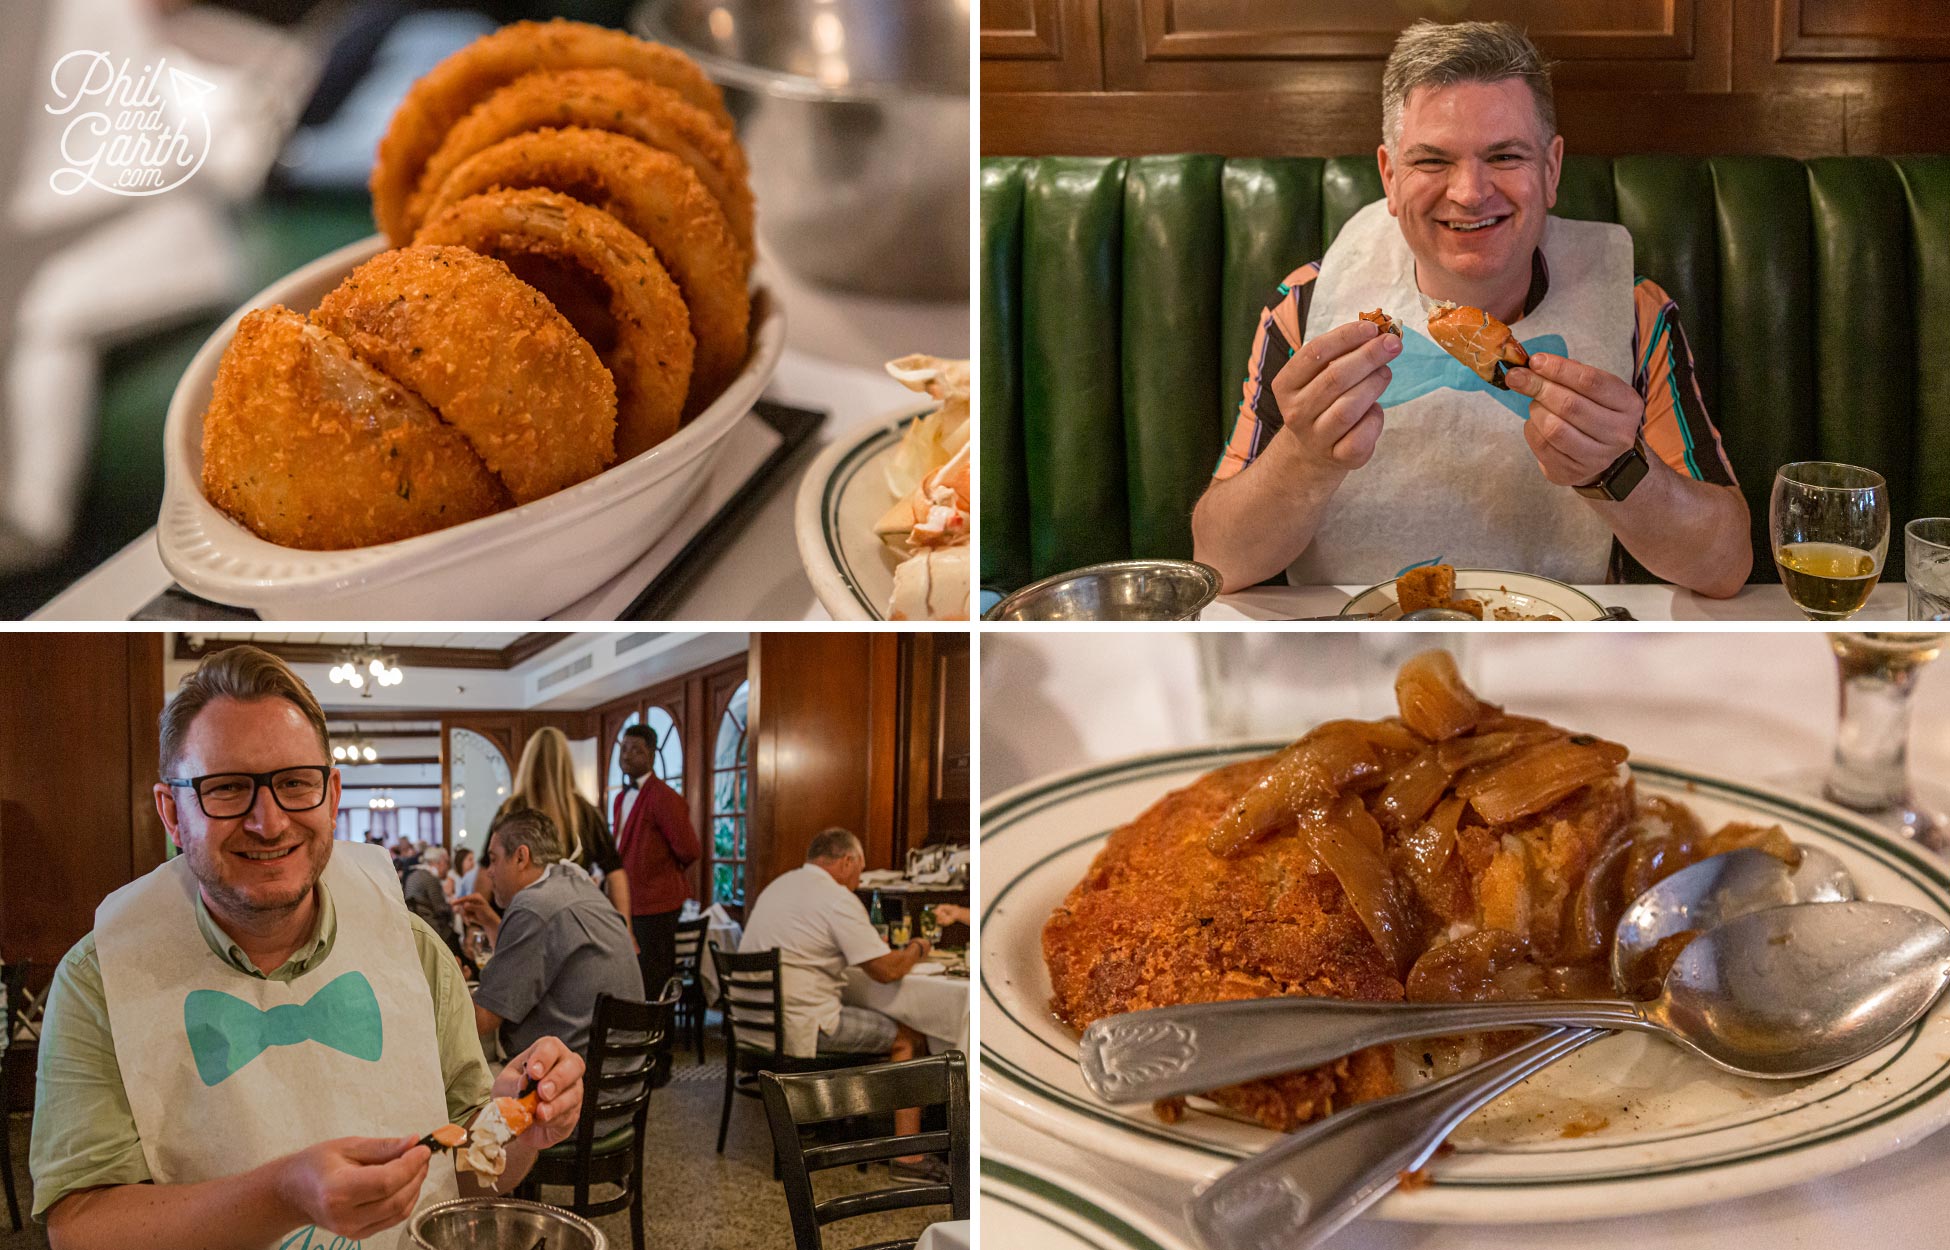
(855, 116)
(501, 1224)
(1122, 590)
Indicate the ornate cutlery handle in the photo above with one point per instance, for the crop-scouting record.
(1310, 1184)
(1141, 1056)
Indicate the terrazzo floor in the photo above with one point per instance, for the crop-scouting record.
(694, 1199)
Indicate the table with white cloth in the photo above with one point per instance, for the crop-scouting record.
(953, 1235)
(933, 1005)
(725, 934)
(1653, 602)
(1758, 706)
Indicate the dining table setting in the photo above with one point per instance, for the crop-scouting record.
(1782, 1082)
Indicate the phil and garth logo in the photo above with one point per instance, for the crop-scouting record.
(125, 134)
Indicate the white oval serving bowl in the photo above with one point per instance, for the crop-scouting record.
(843, 493)
(521, 564)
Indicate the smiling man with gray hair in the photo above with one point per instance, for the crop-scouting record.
(1603, 437)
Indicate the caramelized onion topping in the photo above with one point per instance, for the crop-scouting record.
(1346, 839)
(1433, 699)
(1309, 773)
(1533, 779)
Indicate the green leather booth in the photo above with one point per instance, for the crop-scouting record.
(1120, 295)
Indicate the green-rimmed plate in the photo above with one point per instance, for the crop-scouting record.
(843, 493)
(1525, 594)
(1023, 1205)
(1628, 1125)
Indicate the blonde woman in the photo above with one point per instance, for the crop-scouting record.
(545, 781)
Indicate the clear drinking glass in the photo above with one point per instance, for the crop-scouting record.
(1829, 526)
(1271, 684)
(1926, 567)
(1870, 771)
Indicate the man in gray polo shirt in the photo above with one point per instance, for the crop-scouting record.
(558, 942)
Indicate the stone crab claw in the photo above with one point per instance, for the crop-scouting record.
(1478, 340)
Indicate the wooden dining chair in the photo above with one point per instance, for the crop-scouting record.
(796, 1101)
(618, 1075)
(754, 1029)
(690, 966)
(15, 980)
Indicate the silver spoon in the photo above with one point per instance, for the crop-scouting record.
(1311, 1184)
(1167, 1052)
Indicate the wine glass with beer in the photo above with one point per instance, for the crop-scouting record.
(1829, 524)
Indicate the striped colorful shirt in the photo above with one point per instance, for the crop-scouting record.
(1677, 429)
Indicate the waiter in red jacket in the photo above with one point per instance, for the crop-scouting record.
(655, 839)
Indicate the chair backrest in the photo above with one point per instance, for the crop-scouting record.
(624, 1037)
(14, 978)
(690, 944)
(877, 1089)
(1120, 298)
(749, 998)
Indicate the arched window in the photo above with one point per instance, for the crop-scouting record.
(730, 790)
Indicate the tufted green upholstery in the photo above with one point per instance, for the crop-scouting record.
(1119, 299)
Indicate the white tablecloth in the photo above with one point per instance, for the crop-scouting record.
(727, 934)
(1889, 602)
(1760, 706)
(936, 1006)
(954, 1235)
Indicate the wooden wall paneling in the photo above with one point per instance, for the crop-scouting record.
(77, 752)
(950, 771)
(819, 758)
(1325, 45)
(148, 838)
(1041, 45)
(1868, 51)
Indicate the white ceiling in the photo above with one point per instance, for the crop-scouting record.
(396, 638)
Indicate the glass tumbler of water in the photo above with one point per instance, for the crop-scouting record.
(1926, 568)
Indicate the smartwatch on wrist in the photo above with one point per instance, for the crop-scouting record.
(1618, 481)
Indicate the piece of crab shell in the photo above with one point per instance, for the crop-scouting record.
(931, 375)
(948, 487)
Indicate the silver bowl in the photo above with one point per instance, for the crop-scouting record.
(501, 1224)
(855, 116)
(1122, 590)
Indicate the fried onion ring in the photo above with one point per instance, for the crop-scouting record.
(598, 99)
(307, 446)
(606, 280)
(490, 354)
(457, 84)
(658, 198)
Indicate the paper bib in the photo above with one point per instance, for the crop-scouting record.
(1452, 478)
(226, 1071)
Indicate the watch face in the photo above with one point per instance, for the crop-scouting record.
(1626, 474)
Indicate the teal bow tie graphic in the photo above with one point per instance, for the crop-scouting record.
(226, 1032)
(1423, 367)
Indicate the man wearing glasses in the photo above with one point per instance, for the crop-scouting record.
(245, 1050)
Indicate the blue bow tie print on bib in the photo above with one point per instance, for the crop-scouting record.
(1424, 367)
(226, 1032)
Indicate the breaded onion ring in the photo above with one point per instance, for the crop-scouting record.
(659, 199)
(607, 282)
(598, 99)
(492, 356)
(457, 84)
(308, 446)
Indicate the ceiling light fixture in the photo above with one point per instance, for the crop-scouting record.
(366, 666)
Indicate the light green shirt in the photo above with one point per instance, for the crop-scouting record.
(84, 1131)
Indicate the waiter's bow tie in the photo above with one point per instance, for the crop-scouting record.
(1424, 367)
(226, 1032)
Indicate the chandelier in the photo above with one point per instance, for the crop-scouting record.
(382, 802)
(358, 750)
(365, 666)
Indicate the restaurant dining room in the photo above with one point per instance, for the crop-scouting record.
(437, 939)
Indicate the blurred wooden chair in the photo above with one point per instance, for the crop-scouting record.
(750, 1002)
(620, 1069)
(690, 966)
(796, 1101)
(14, 979)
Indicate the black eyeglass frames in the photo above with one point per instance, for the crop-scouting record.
(225, 796)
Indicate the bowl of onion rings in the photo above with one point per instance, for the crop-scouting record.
(524, 562)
